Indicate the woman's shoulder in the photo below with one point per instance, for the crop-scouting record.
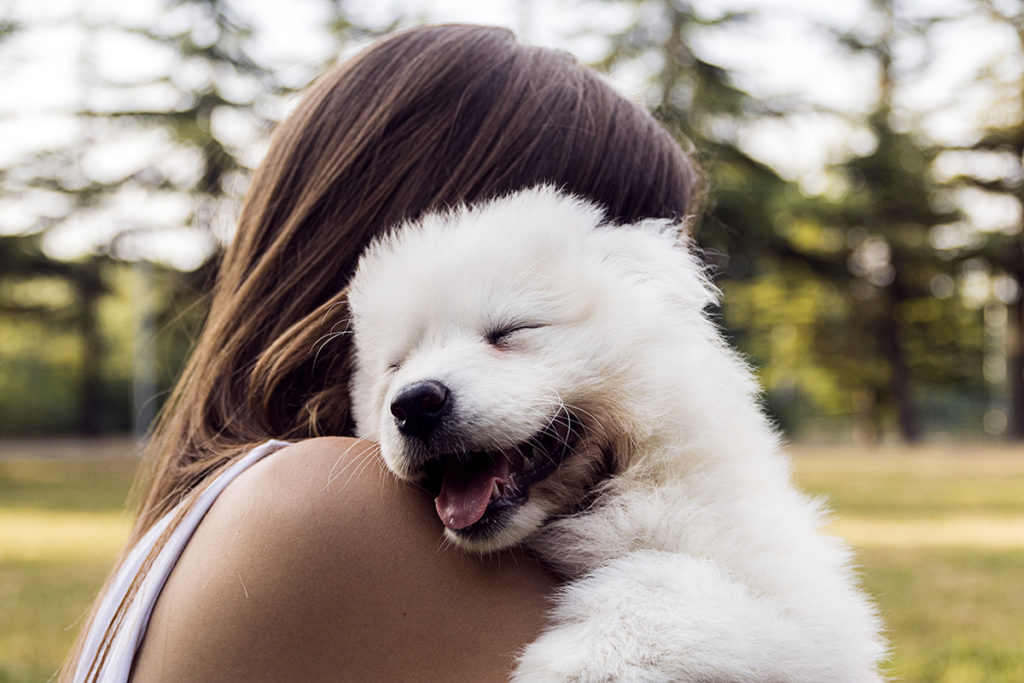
(315, 562)
(303, 497)
(302, 477)
(254, 577)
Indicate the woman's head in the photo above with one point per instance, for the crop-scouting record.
(427, 118)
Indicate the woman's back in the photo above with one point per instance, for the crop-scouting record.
(316, 565)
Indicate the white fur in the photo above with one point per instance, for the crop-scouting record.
(697, 560)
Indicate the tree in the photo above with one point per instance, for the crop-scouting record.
(830, 296)
(1004, 142)
(183, 161)
(183, 134)
(888, 215)
(760, 233)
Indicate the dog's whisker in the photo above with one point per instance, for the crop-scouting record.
(351, 465)
(322, 342)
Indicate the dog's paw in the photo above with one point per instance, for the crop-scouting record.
(654, 616)
(577, 653)
(613, 625)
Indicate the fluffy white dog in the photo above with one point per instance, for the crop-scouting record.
(555, 382)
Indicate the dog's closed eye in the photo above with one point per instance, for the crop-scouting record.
(502, 335)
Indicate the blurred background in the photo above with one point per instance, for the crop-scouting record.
(864, 220)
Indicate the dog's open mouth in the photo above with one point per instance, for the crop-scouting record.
(476, 491)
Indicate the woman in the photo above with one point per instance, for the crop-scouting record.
(314, 563)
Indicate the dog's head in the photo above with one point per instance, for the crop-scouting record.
(508, 354)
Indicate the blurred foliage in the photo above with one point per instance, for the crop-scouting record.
(831, 296)
(860, 313)
(1004, 251)
(42, 353)
(886, 216)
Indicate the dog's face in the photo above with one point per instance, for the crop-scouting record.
(496, 359)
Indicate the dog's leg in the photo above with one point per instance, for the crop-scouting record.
(654, 616)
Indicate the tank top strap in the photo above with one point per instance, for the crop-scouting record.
(117, 664)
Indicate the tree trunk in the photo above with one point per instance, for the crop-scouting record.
(1015, 349)
(899, 378)
(90, 380)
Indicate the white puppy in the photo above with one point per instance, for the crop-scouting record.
(555, 382)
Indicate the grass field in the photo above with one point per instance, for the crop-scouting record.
(940, 539)
(939, 533)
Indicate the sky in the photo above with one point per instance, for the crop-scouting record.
(782, 53)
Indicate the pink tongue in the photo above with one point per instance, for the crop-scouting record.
(466, 490)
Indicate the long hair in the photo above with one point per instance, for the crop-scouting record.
(426, 119)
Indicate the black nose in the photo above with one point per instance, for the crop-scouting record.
(418, 407)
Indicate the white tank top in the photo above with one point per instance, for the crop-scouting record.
(118, 663)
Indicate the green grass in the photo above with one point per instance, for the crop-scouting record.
(897, 482)
(41, 606)
(79, 486)
(954, 615)
(61, 526)
(939, 536)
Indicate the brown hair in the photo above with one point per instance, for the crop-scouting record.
(427, 118)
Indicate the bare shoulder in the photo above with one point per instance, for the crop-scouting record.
(317, 564)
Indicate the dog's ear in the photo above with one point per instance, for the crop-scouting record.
(679, 231)
(659, 253)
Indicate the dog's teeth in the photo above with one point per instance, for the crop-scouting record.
(538, 452)
(495, 492)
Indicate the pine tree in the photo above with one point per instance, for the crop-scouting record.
(759, 232)
(889, 216)
(210, 41)
(191, 132)
(1004, 251)
(863, 263)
